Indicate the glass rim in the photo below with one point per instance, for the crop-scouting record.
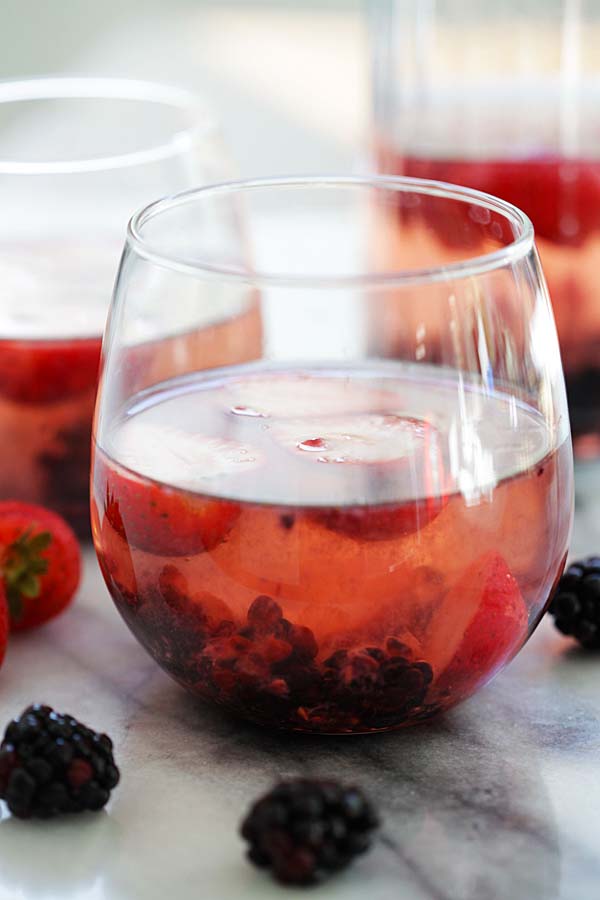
(473, 266)
(105, 88)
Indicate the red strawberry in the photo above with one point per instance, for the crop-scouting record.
(47, 371)
(163, 521)
(4, 623)
(162, 509)
(481, 624)
(385, 451)
(40, 562)
(379, 523)
(114, 553)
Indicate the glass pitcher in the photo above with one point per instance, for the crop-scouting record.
(505, 98)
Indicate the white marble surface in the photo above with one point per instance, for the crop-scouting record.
(499, 799)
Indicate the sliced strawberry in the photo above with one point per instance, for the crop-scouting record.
(383, 454)
(163, 521)
(156, 518)
(40, 562)
(114, 553)
(170, 515)
(380, 523)
(479, 625)
(48, 371)
(362, 438)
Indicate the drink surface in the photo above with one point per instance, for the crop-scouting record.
(348, 437)
(326, 549)
(55, 290)
(561, 195)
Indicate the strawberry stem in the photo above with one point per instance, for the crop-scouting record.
(21, 565)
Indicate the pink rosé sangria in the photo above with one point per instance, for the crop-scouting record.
(301, 547)
(322, 539)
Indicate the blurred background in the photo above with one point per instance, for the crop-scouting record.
(286, 80)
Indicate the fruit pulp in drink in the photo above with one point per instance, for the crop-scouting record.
(562, 198)
(331, 550)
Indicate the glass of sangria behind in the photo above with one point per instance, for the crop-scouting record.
(505, 98)
(325, 539)
(77, 158)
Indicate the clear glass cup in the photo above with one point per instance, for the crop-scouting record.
(505, 97)
(319, 537)
(77, 157)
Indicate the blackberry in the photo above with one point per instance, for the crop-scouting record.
(305, 830)
(583, 390)
(270, 668)
(52, 764)
(377, 689)
(576, 604)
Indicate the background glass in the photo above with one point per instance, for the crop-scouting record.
(77, 157)
(315, 536)
(505, 97)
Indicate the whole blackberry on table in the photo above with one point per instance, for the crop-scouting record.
(52, 764)
(576, 604)
(304, 830)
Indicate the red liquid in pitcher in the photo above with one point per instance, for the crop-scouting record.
(47, 394)
(331, 550)
(562, 198)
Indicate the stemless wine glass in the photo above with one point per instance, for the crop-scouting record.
(505, 97)
(323, 539)
(77, 157)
